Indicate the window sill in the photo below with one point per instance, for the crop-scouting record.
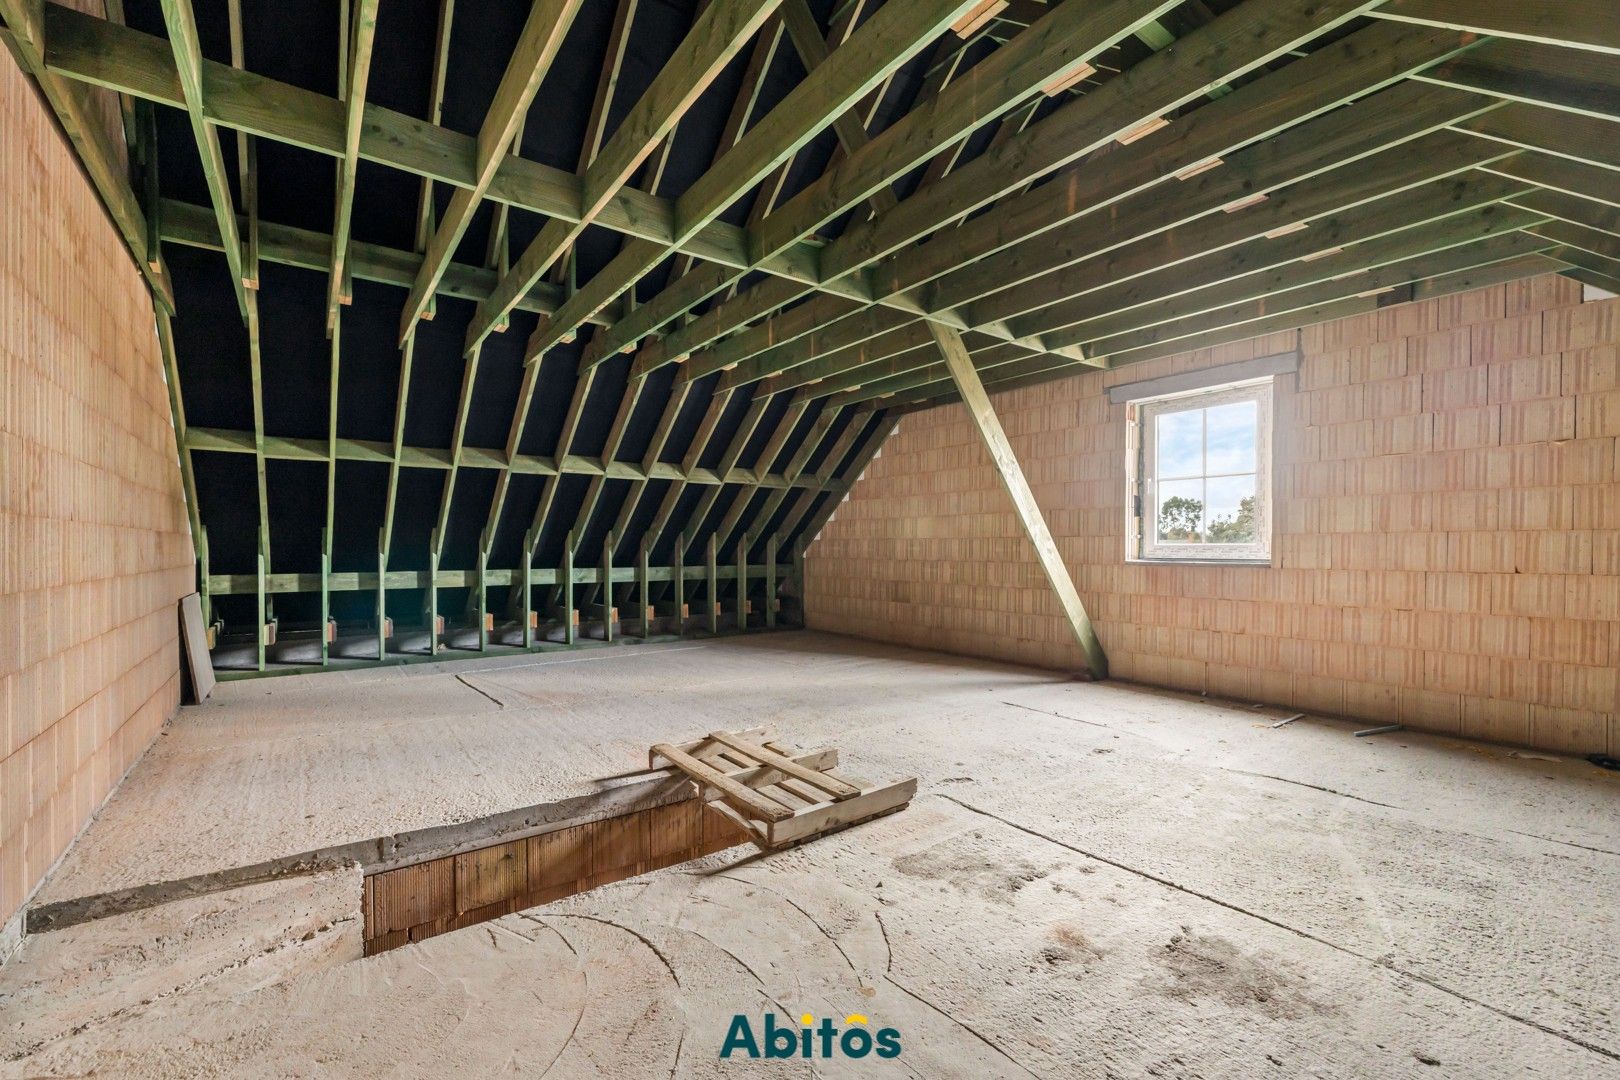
(1201, 562)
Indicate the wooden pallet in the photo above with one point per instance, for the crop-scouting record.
(779, 797)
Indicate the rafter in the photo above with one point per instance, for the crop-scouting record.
(1239, 41)
(717, 36)
(886, 41)
(188, 62)
(1484, 263)
(128, 61)
(536, 48)
(1578, 24)
(362, 32)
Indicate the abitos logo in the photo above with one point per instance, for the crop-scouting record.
(812, 1040)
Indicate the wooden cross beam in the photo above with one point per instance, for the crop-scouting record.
(1023, 499)
(536, 48)
(717, 36)
(836, 82)
(1239, 41)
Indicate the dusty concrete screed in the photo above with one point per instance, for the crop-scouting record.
(1094, 880)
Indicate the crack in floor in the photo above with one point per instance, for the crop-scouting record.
(1306, 934)
(462, 679)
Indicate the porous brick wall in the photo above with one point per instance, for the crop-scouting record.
(94, 548)
(1446, 528)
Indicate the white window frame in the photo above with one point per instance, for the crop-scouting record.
(1141, 530)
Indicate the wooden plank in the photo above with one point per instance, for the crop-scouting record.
(871, 803)
(1302, 89)
(1545, 75)
(1028, 510)
(838, 789)
(743, 797)
(194, 638)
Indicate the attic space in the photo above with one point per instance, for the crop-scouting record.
(947, 538)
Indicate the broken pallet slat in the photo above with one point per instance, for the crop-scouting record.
(838, 789)
(748, 797)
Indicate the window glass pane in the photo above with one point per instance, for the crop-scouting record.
(1232, 430)
(1181, 443)
(1230, 514)
(1181, 511)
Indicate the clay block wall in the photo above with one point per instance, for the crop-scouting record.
(1446, 548)
(434, 897)
(94, 548)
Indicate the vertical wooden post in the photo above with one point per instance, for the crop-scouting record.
(742, 583)
(645, 589)
(570, 631)
(483, 599)
(382, 605)
(326, 595)
(433, 594)
(259, 629)
(204, 587)
(605, 587)
(770, 583)
(712, 601)
(995, 439)
(680, 583)
(528, 589)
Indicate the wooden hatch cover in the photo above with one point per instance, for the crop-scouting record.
(780, 797)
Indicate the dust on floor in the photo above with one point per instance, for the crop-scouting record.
(1094, 880)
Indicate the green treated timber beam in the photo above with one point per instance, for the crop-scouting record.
(104, 53)
(537, 46)
(1058, 44)
(1304, 89)
(1441, 208)
(362, 33)
(1560, 176)
(1369, 128)
(1248, 321)
(1023, 498)
(1496, 241)
(1577, 24)
(194, 226)
(717, 35)
(836, 82)
(1583, 139)
(1239, 41)
(188, 62)
(1156, 227)
(278, 448)
(1586, 83)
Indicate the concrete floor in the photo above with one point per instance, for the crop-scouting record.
(1094, 880)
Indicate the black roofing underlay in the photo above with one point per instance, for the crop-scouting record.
(297, 41)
